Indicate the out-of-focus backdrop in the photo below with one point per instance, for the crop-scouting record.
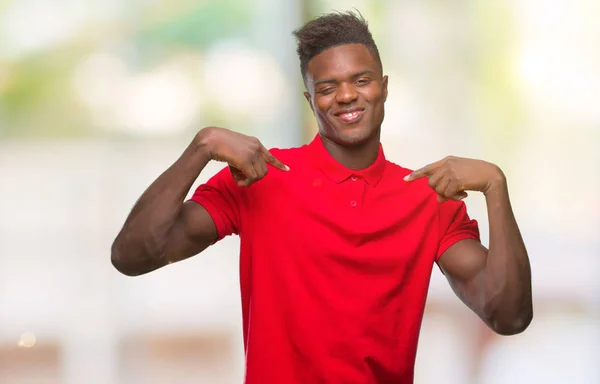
(98, 97)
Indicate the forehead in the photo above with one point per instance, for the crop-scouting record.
(342, 61)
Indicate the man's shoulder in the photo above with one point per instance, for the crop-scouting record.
(289, 151)
(397, 173)
(396, 170)
(291, 155)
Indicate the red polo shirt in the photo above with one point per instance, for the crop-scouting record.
(334, 265)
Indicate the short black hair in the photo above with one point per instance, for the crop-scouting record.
(331, 30)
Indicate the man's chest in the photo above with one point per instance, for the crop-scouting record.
(350, 222)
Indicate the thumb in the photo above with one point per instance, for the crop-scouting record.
(238, 175)
(459, 196)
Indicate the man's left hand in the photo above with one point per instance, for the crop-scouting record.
(452, 176)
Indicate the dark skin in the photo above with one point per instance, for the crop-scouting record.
(346, 90)
(347, 78)
(494, 283)
(161, 229)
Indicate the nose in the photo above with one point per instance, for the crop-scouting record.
(346, 93)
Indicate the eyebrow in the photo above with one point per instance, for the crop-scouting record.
(359, 74)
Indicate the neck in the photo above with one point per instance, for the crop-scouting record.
(355, 157)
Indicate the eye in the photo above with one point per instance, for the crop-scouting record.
(362, 81)
(326, 90)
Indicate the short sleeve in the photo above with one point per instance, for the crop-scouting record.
(220, 196)
(455, 225)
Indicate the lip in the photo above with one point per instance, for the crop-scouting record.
(359, 112)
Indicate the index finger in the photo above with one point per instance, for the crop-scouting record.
(427, 170)
(270, 159)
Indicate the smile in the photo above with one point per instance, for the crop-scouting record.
(350, 116)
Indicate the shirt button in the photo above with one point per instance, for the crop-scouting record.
(354, 178)
(353, 203)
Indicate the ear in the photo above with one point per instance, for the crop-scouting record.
(385, 88)
(309, 99)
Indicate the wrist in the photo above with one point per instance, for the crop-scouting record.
(497, 183)
(203, 143)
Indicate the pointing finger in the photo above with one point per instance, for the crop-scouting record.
(269, 158)
(422, 172)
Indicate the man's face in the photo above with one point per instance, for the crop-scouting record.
(347, 92)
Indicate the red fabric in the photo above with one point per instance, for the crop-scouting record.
(334, 266)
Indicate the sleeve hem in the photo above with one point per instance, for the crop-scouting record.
(453, 240)
(214, 213)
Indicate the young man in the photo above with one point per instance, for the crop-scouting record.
(337, 243)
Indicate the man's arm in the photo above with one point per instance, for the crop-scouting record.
(494, 283)
(161, 228)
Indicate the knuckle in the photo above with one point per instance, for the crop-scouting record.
(450, 161)
(253, 146)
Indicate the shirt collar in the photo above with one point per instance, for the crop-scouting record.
(338, 173)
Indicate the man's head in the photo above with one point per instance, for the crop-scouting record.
(343, 75)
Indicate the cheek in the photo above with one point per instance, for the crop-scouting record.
(374, 92)
(322, 105)
(377, 100)
(377, 96)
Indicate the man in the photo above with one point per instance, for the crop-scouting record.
(337, 243)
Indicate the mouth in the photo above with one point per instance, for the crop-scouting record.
(351, 115)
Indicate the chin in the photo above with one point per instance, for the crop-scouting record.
(353, 136)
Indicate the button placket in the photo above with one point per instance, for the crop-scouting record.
(357, 191)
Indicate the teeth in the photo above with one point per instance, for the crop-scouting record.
(350, 116)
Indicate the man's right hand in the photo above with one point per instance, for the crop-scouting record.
(246, 156)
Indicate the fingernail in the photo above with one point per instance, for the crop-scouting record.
(407, 177)
(287, 168)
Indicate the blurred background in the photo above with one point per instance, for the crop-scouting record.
(97, 98)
